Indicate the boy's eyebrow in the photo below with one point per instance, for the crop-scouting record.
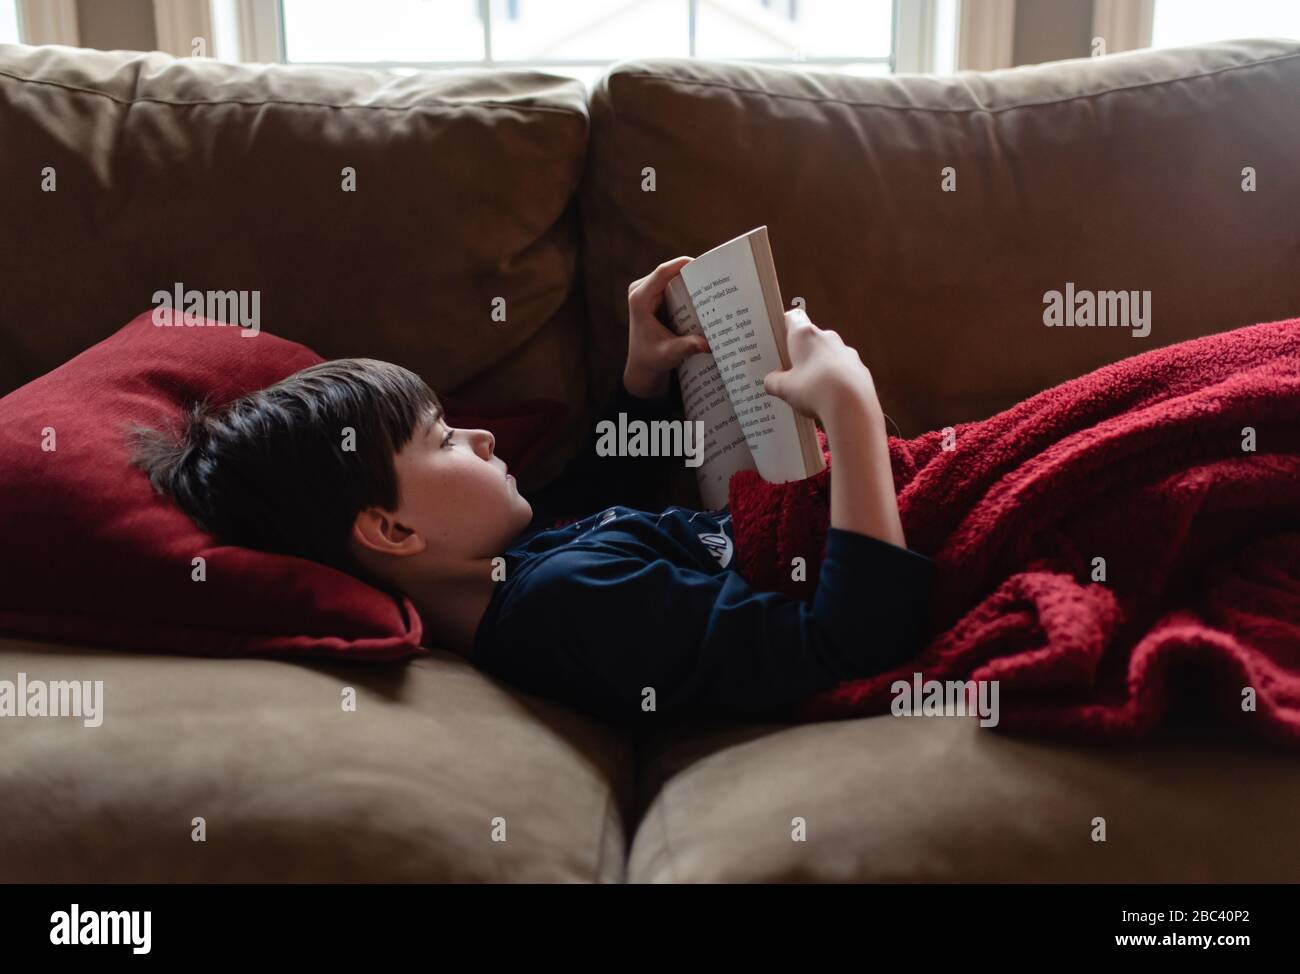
(434, 416)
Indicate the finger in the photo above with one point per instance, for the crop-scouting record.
(656, 334)
(648, 291)
(798, 318)
(680, 349)
(802, 319)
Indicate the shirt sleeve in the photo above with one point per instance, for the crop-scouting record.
(594, 632)
(590, 482)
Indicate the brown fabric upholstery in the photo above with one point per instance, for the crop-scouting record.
(226, 176)
(293, 788)
(1119, 173)
(1123, 172)
(940, 799)
(1114, 173)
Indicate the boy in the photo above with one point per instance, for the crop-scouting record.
(622, 614)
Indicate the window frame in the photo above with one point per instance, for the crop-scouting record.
(260, 37)
(48, 22)
(986, 35)
(1124, 25)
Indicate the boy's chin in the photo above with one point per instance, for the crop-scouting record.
(527, 511)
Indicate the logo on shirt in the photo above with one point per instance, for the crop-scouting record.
(719, 546)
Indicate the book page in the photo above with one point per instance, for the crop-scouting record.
(731, 310)
(704, 398)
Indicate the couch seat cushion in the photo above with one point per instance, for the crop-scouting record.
(291, 787)
(940, 799)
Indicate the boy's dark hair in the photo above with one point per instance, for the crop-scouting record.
(268, 470)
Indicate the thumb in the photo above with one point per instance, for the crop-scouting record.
(773, 382)
(688, 345)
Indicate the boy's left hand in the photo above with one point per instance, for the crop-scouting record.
(653, 351)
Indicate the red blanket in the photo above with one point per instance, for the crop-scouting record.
(1143, 464)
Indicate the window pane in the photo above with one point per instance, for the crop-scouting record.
(8, 21)
(790, 28)
(1180, 22)
(542, 31)
(382, 30)
(524, 30)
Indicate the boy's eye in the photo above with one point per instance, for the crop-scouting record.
(447, 439)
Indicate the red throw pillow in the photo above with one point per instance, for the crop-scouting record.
(93, 554)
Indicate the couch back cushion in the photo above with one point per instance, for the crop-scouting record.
(231, 177)
(925, 218)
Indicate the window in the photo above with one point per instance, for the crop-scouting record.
(1179, 22)
(582, 37)
(8, 21)
(39, 22)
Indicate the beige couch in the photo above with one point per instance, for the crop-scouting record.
(1118, 172)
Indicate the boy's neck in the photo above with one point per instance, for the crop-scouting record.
(451, 604)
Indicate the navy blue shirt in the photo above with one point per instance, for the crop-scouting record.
(624, 600)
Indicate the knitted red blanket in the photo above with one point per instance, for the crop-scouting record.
(1115, 546)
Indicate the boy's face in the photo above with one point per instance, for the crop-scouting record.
(455, 492)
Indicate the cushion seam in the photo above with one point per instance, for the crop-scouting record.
(671, 79)
(65, 86)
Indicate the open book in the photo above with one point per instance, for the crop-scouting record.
(730, 295)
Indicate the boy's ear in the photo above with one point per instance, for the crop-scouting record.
(377, 530)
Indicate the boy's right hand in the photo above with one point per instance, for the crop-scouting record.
(826, 378)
